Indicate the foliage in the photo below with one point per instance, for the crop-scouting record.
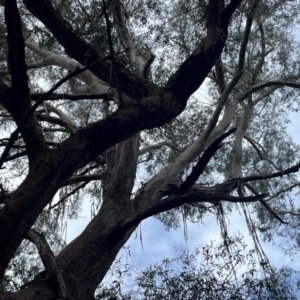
(208, 273)
(137, 125)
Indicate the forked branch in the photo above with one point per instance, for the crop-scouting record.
(15, 133)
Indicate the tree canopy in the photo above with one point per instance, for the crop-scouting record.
(102, 100)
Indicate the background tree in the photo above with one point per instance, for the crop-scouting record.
(120, 77)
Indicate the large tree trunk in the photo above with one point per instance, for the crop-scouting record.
(84, 263)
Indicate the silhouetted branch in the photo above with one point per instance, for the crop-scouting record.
(203, 161)
(49, 262)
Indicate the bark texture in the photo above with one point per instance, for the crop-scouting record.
(142, 104)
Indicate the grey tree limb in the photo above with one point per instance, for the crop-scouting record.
(83, 178)
(22, 123)
(155, 146)
(49, 262)
(250, 178)
(266, 205)
(71, 97)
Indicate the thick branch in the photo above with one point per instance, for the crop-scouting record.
(246, 37)
(189, 76)
(238, 149)
(49, 262)
(19, 103)
(53, 120)
(293, 169)
(196, 148)
(54, 96)
(134, 86)
(257, 87)
(224, 123)
(135, 56)
(93, 84)
(202, 163)
(62, 116)
(265, 204)
(16, 132)
(194, 195)
(155, 146)
(16, 52)
(83, 178)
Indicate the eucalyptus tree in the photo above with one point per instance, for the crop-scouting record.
(92, 89)
(204, 274)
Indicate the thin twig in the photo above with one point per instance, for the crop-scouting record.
(203, 161)
(266, 205)
(111, 49)
(68, 195)
(15, 134)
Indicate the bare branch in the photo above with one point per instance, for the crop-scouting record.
(196, 148)
(53, 120)
(275, 83)
(188, 77)
(69, 194)
(261, 60)
(237, 160)
(83, 178)
(17, 155)
(135, 56)
(283, 191)
(289, 213)
(115, 75)
(110, 44)
(202, 163)
(16, 52)
(15, 133)
(265, 95)
(71, 97)
(246, 37)
(263, 157)
(49, 262)
(20, 104)
(293, 169)
(194, 195)
(254, 146)
(220, 76)
(93, 84)
(155, 146)
(265, 204)
(62, 116)
(134, 86)
(228, 12)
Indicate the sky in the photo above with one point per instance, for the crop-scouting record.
(157, 243)
(151, 243)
